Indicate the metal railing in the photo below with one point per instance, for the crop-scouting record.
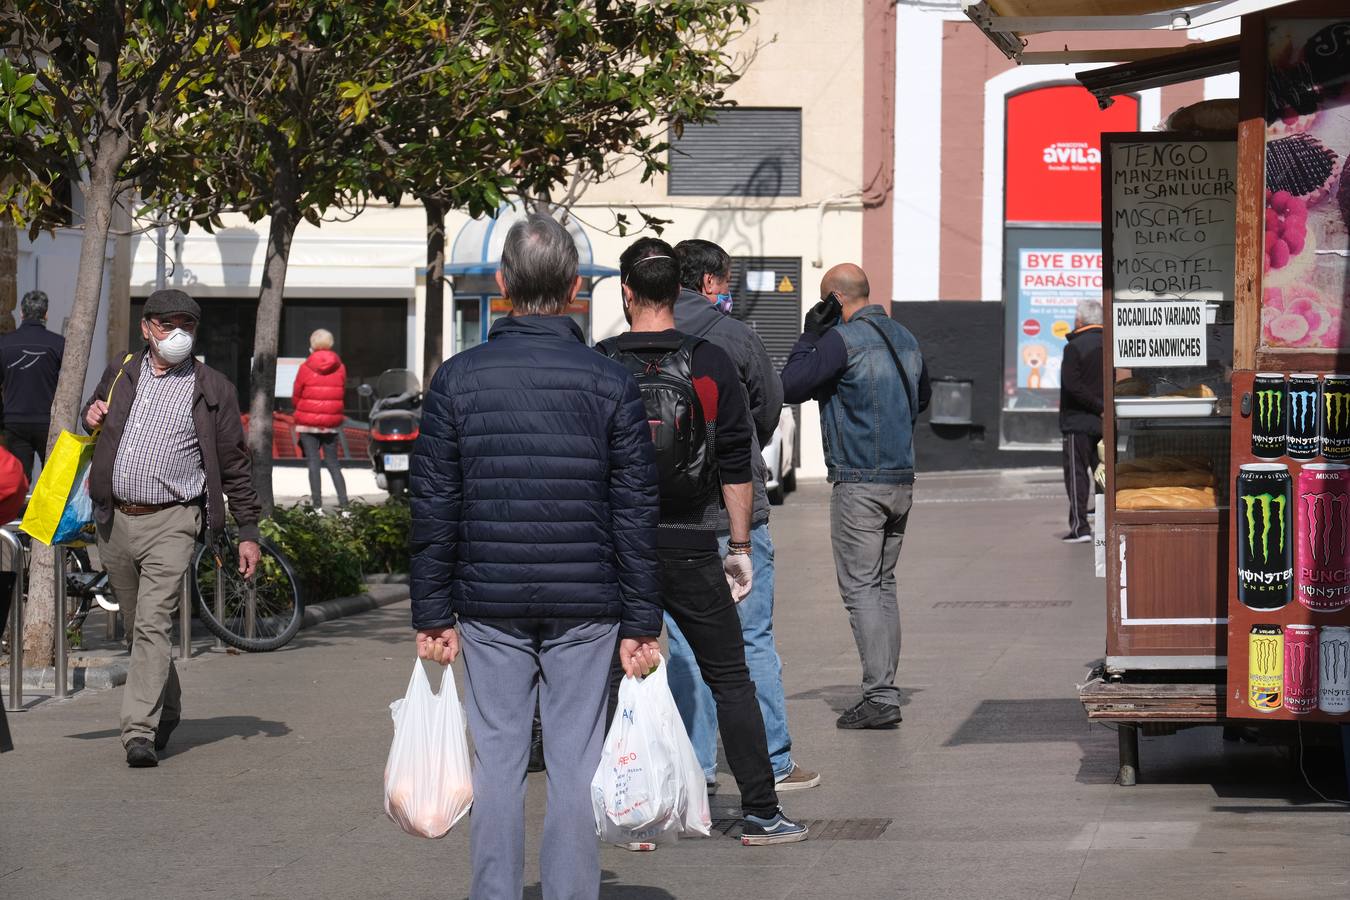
(11, 543)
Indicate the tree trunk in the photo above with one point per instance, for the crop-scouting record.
(433, 344)
(39, 632)
(266, 335)
(9, 276)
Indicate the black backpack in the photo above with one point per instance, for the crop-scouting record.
(663, 368)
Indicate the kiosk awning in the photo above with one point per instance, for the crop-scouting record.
(1008, 23)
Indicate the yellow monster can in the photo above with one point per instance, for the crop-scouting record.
(1265, 668)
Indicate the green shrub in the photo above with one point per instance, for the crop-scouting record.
(381, 531)
(332, 553)
(322, 550)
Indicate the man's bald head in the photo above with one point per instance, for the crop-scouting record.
(849, 283)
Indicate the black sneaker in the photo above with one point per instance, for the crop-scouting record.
(870, 714)
(140, 754)
(166, 727)
(779, 829)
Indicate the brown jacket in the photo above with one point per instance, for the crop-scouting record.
(215, 412)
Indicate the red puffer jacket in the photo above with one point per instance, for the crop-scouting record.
(13, 487)
(318, 391)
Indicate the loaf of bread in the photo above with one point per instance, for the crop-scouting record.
(1191, 478)
(1133, 387)
(1166, 498)
(1195, 390)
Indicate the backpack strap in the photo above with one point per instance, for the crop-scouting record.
(910, 396)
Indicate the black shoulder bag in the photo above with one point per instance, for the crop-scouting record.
(910, 395)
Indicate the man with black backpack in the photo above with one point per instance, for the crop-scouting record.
(866, 370)
(701, 429)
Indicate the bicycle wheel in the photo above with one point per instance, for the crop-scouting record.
(258, 614)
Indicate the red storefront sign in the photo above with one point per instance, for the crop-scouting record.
(1054, 153)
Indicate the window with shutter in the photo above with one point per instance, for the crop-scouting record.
(744, 152)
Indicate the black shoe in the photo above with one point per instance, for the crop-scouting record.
(536, 763)
(140, 754)
(778, 829)
(166, 727)
(870, 714)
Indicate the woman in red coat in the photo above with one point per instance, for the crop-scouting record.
(320, 385)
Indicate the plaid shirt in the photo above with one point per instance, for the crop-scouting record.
(159, 459)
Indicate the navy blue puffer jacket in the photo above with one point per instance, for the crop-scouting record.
(534, 485)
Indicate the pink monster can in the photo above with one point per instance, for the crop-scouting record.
(1300, 668)
(1322, 536)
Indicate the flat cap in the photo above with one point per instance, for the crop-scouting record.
(171, 301)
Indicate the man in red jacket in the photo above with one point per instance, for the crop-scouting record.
(320, 385)
(13, 488)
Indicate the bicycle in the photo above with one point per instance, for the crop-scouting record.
(257, 615)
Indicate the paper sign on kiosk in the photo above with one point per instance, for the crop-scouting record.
(1158, 334)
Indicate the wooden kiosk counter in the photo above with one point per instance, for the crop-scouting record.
(1227, 408)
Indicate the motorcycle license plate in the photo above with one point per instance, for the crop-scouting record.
(395, 462)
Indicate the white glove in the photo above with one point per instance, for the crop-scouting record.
(739, 570)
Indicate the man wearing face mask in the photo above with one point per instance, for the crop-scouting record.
(170, 451)
(703, 309)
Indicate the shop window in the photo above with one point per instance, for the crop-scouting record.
(744, 152)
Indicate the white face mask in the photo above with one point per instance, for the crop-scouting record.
(175, 347)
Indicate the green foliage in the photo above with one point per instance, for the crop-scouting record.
(332, 553)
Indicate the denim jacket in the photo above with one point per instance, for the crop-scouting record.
(865, 416)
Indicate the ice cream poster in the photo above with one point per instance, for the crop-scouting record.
(1049, 285)
(1307, 196)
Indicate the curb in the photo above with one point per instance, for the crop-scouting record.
(114, 673)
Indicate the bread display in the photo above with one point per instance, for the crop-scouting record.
(1163, 464)
(1193, 478)
(1167, 498)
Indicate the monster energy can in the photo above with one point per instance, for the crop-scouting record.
(1336, 417)
(1265, 574)
(1265, 668)
(1305, 416)
(1333, 657)
(1300, 668)
(1322, 536)
(1269, 415)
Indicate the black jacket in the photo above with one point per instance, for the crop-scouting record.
(695, 315)
(534, 485)
(30, 362)
(1080, 382)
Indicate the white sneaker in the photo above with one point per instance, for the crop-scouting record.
(1077, 538)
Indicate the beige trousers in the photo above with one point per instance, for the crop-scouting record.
(146, 557)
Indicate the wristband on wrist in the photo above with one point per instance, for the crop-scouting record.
(738, 547)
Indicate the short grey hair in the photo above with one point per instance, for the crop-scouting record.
(33, 305)
(321, 339)
(1089, 312)
(539, 266)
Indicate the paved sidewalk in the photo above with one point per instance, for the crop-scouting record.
(996, 785)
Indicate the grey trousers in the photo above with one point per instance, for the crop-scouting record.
(508, 663)
(146, 557)
(867, 527)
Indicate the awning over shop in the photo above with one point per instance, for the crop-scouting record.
(1011, 23)
(477, 249)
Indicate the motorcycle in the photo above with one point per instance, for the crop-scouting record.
(395, 420)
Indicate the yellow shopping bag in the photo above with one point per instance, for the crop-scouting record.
(61, 510)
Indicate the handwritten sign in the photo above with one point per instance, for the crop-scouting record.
(1171, 222)
(1158, 334)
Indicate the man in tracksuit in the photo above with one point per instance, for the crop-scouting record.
(1080, 415)
(702, 309)
(30, 363)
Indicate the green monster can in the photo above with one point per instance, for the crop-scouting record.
(1265, 668)
(1336, 417)
(1270, 415)
(1263, 514)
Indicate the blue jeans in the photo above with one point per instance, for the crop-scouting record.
(761, 656)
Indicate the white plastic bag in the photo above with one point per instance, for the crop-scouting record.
(427, 786)
(649, 786)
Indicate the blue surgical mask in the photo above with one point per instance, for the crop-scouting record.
(723, 302)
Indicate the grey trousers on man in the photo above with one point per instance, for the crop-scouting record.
(508, 663)
(867, 527)
(146, 557)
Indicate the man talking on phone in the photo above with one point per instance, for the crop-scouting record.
(866, 371)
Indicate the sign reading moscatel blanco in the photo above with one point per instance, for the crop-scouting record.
(1158, 334)
(1171, 219)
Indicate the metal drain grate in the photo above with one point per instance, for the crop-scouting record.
(1001, 604)
(823, 829)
